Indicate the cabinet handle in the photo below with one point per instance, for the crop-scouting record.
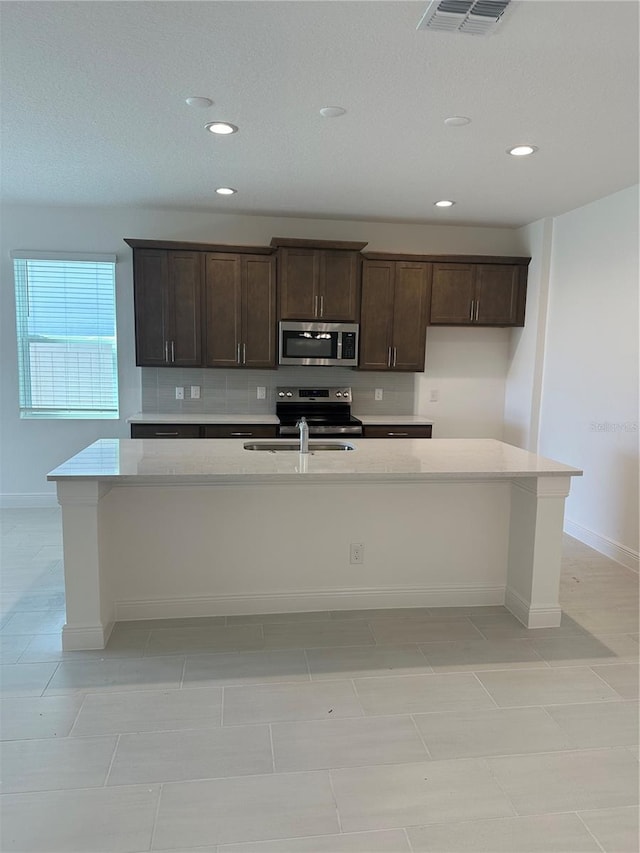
(315, 305)
(398, 433)
(238, 354)
(244, 353)
(166, 433)
(244, 434)
(166, 350)
(471, 311)
(389, 357)
(322, 306)
(477, 309)
(395, 355)
(173, 351)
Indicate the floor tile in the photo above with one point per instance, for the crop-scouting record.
(172, 641)
(587, 650)
(479, 654)
(35, 622)
(254, 808)
(598, 724)
(618, 620)
(187, 622)
(382, 613)
(267, 703)
(55, 763)
(622, 677)
(616, 829)
(90, 676)
(346, 743)
(246, 668)
(509, 628)
(497, 732)
(512, 688)
(34, 717)
(314, 634)
(389, 631)
(123, 644)
(354, 661)
(81, 821)
(184, 755)
(149, 711)
(12, 646)
(385, 841)
(410, 794)
(568, 781)
(559, 833)
(25, 679)
(415, 694)
(279, 618)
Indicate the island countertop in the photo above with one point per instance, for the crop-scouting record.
(193, 461)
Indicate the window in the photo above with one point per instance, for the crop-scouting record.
(65, 314)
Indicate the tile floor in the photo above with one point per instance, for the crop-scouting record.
(354, 732)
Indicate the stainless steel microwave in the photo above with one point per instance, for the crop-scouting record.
(318, 343)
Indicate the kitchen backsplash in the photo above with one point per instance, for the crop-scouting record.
(235, 391)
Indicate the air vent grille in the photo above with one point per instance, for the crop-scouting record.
(474, 17)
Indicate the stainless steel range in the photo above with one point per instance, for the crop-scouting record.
(327, 411)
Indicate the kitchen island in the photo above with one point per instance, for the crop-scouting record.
(160, 528)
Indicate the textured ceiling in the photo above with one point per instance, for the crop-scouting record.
(93, 108)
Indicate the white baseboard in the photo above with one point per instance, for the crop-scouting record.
(85, 637)
(295, 602)
(28, 500)
(532, 617)
(609, 547)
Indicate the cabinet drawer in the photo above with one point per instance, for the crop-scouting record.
(398, 431)
(240, 431)
(165, 431)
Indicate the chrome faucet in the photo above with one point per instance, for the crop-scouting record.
(303, 426)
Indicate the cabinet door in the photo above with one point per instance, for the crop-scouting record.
(496, 294)
(151, 297)
(410, 308)
(452, 294)
(397, 431)
(165, 431)
(377, 315)
(258, 311)
(339, 286)
(298, 272)
(185, 308)
(223, 300)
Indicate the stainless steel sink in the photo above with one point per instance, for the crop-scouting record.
(277, 446)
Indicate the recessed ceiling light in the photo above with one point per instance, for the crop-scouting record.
(522, 150)
(203, 103)
(444, 203)
(226, 191)
(332, 112)
(457, 121)
(221, 127)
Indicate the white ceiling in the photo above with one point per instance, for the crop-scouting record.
(94, 113)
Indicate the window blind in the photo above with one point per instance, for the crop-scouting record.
(66, 325)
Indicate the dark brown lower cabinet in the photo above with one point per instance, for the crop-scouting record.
(203, 430)
(398, 431)
(165, 431)
(240, 431)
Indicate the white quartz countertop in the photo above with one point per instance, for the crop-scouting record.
(167, 461)
(210, 418)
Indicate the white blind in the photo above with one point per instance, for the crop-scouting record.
(65, 313)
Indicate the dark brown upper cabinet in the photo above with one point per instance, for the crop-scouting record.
(393, 325)
(318, 279)
(168, 312)
(482, 294)
(240, 300)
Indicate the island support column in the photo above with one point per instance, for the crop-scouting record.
(90, 610)
(535, 550)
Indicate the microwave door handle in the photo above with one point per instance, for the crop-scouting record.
(339, 345)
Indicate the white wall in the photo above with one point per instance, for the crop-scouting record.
(469, 366)
(589, 413)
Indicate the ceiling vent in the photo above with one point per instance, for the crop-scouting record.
(476, 17)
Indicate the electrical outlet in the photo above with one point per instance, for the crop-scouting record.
(435, 395)
(378, 394)
(261, 392)
(195, 392)
(356, 553)
(179, 393)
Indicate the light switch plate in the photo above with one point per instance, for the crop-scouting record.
(378, 394)
(195, 392)
(435, 395)
(179, 392)
(261, 392)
